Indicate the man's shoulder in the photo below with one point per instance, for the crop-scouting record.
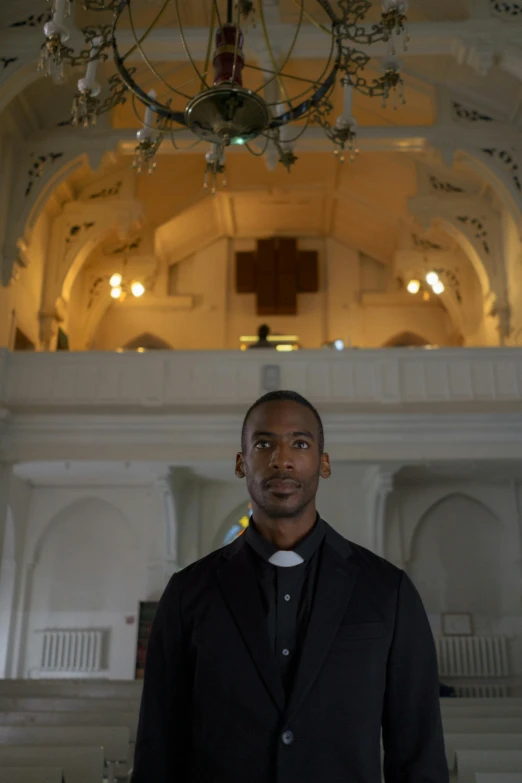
(204, 565)
(364, 558)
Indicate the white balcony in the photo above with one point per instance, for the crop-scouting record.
(390, 400)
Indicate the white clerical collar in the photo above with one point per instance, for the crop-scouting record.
(285, 559)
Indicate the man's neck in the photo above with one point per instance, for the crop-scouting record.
(285, 533)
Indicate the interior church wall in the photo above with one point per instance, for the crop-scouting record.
(513, 262)
(93, 551)
(461, 544)
(20, 303)
(220, 315)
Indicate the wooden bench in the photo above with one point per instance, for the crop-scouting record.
(485, 742)
(92, 689)
(483, 711)
(498, 777)
(128, 720)
(114, 740)
(31, 775)
(482, 725)
(79, 764)
(49, 704)
(471, 763)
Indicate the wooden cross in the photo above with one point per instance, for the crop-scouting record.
(276, 273)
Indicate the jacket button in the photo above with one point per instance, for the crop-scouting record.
(287, 737)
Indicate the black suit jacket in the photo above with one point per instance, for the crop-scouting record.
(214, 709)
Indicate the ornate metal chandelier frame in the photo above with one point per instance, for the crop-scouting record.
(225, 112)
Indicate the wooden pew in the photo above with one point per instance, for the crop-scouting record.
(485, 742)
(72, 704)
(482, 725)
(114, 740)
(126, 719)
(498, 777)
(484, 711)
(79, 764)
(471, 763)
(84, 688)
(31, 775)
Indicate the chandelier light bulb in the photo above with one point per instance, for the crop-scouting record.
(438, 287)
(115, 280)
(413, 286)
(137, 288)
(116, 292)
(432, 278)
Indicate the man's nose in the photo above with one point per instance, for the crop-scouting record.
(282, 457)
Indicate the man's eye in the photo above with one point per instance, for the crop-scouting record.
(262, 444)
(302, 444)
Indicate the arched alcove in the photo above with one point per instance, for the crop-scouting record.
(457, 560)
(147, 341)
(86, 576)
(406, 340)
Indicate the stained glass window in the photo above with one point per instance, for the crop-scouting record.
(238, 528)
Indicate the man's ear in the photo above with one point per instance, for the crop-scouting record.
(325, 470)
(240, 467)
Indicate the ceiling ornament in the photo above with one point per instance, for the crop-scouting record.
(223, 103)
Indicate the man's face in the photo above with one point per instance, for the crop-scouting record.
(281, 460)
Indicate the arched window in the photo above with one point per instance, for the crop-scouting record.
(239, 527)
(147, 342)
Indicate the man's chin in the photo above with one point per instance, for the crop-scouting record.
(282, 508)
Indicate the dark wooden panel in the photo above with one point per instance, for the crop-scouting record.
(266, 276)
(245, 273)
(308, 272)
(287, 277)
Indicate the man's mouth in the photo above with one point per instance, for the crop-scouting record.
(282, 486)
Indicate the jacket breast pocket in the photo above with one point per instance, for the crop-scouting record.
(370, 630)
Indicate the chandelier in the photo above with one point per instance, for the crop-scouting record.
(229, 100)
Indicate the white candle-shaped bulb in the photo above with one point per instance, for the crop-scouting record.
(148, 122)
(347, 99)
(92, 65)
(60, 12)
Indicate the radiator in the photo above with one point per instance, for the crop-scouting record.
(473, 656)
(72, 650)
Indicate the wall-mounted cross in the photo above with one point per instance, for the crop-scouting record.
(276, 272)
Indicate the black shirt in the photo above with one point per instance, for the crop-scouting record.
(287, 593)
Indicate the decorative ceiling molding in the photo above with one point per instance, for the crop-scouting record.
(507, 9)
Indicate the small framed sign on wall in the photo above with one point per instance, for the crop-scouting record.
(457, 624)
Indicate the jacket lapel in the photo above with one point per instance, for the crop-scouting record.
(239, 586)
(335, 582)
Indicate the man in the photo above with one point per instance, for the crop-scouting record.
(278, 658)
(262, 338)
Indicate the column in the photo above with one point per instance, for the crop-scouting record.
(165, 489)
(378, 484)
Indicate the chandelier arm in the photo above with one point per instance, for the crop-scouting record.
(300, 111)
(267, 41)
(327, 8)
(185, 47)
(126, 77)
(317, 81)
(237, 37)
(208, 54)
(149, 29)
(314, 21)
(276, 71)
(259, 154)
(182, 149)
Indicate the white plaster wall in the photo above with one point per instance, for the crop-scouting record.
(96, 553)
(461, 544)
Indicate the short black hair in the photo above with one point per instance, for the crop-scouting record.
(286, 396)
(263, 331)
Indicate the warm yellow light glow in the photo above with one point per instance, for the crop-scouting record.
(116, 292)
(140, 350)
(272, 338)
(137, 288)
(438, 287)
(413, 286)
(284, 347)
(115, 280)
(432, 278)
(426, 296)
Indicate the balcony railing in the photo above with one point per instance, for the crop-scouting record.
(403, 379)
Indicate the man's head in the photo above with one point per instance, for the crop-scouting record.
(263, 331)
(282, 454)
